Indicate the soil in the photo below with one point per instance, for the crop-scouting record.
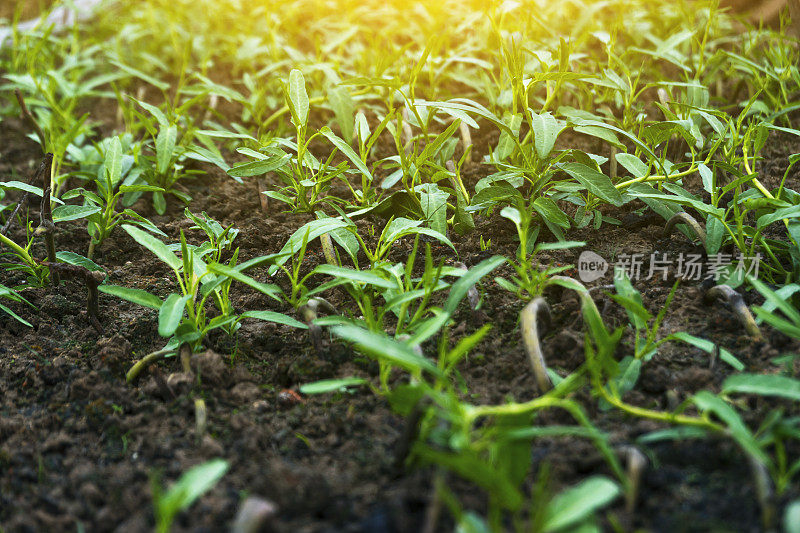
(79, 447)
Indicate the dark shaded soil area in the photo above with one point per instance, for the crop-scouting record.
(78, 446)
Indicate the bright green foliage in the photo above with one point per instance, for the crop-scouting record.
(183, 493)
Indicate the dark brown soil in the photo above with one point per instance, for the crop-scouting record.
(78, 446)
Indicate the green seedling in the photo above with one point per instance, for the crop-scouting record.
(164, 167)
(184, 492)
(530, 279)
(9, 294)
(109, 176)
(788, 320)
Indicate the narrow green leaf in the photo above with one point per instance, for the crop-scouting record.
(331, 385)
(358, 276)
(344, 109)
(113, 161)
(576, 504)
(258, 168)
(165, 146)
(154, 245)
(299, 96)
(72, 258)
(763, 384)
(277, 318)
(65, 213)
(348, 152)
(708, 402)
(708, 347)
(382, 347)
(236, 274)
(136, 296)
(193, 484)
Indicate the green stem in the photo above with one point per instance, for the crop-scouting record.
(19, 250)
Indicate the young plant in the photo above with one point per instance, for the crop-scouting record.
(164, 167)
(37, 275)
(109, 177)
(182, 316)
(183, 493)
(530, 279)
(9, 294)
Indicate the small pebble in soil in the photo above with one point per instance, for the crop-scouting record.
(288, 398)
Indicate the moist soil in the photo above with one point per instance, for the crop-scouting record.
(79, 447)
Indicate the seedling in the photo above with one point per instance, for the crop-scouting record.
(110, 177)
(530, 280)
(7, 293)
(182, 494)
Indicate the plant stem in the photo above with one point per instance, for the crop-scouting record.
(137, 368)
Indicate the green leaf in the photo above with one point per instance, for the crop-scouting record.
(576, 504)
(113, 161)
(15, 316)
(258, 168)
(347, 151)
(401, 227)
(136, 296)
(546, 129)
(550, 212)
(358, 276)
(470, 106)
(65, 213)
(236, 274)
(72, 258)
(601, 133)
(331, 385)
(708, 402)
(715, 232)
(384, 348)
(763, 384)
(191, 485)
(171, 313)
(163, 86)
(632, 164)
(596, 182)
(298, 97)
(631, 300)
(472, 467)
(160, 117)
(632, 138)
(707, 176)
(344, 109)
(154, 245)
(708, 347)
(277, 318)
(222, 134)
(20, 186)
(313, 229)
(165, 147)
(778, 214)
(434, 206)
(457, 293)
